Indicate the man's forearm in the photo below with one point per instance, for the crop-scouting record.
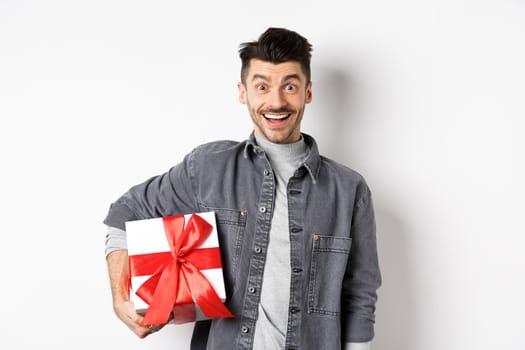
(119, 280)
(117, 262)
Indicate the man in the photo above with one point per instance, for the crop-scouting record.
(296, 230)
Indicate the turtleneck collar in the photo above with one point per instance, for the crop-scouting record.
(283, 152)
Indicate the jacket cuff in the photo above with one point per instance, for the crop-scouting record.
(358, 329)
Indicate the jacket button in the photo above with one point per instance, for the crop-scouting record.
(251, 290)
(266, 172)
(258, 250)
(262, 209)
(245, 329)
(297, 270)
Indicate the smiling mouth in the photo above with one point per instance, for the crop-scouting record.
(269, 116)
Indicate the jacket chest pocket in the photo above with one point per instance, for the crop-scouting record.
(328, 266)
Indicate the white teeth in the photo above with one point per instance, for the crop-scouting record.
(273, 116)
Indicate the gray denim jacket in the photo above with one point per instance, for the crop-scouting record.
(335, 270)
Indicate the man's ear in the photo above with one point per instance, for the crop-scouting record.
(308, 98)
(242, 92)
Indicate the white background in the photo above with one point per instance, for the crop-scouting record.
(424, 98)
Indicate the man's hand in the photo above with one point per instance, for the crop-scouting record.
(126, 312)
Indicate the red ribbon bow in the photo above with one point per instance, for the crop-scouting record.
(175, 276)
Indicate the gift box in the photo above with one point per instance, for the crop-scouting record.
(175, 269)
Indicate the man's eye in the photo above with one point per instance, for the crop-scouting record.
(289, 87)
(261, 87)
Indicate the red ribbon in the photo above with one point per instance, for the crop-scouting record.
(175, 276)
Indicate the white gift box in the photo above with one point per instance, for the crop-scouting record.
(148, 236)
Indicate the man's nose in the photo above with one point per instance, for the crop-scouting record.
(276, 99)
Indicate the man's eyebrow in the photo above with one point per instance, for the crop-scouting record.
(292, 76)
(288, 77)
(260, 76)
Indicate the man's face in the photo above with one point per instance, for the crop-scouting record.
(276, 95)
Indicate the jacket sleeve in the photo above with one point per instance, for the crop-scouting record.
(163, 195)
(362, 278)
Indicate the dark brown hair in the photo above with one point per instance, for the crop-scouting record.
(277, 45)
